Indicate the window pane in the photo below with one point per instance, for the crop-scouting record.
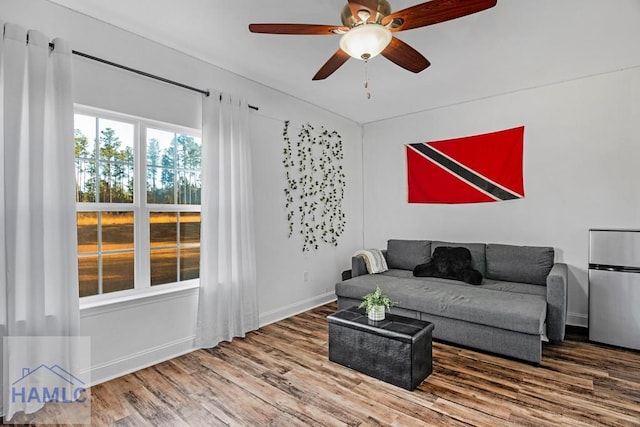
(85, 180)
(160, 149)
(116, 182)
(189, 263)
(189, 152)
(160, 166)
(117, 272)
(116, 161)
(85, 153)
(85, 126)
(189, 228)
(88, 275)
(189, 160)
(164, 266)
(117, 231)
(163, 229)
(115, 140)
(87, 232)
(160, 188)
(173, 168)
(189, 187)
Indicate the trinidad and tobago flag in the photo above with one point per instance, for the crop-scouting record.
(473, 169)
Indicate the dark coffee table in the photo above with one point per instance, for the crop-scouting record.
(396, 350)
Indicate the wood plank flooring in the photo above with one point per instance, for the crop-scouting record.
(280, 375)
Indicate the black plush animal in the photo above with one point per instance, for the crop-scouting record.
(450, 263)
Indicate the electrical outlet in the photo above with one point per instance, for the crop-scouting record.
(306, 276)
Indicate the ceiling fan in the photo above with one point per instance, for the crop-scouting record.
(367, 26)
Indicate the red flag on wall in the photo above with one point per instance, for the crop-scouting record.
(472, 169)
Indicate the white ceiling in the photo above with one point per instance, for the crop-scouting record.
(517, 44)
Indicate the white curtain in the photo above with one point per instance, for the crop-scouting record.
(227, 306)
(38, 264)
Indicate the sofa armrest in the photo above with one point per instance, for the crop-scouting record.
(557, 301)
(358, 266)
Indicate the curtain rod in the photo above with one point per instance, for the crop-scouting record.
(143, 73)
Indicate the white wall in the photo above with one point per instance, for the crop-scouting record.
(133, 334)
(582, 146)
(282, 264)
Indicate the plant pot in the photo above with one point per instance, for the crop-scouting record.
(376, 313)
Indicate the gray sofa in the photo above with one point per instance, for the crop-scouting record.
(521, 301)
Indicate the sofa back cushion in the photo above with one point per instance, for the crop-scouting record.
(525, 264)
(406, 254)
(477, 253)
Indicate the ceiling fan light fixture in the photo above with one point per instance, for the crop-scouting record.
(365, 41)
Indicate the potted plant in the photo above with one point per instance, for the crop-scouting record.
(375, 304)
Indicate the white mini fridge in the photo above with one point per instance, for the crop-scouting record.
(614, 287)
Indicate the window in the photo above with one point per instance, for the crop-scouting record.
(138, 202)
(173, 178)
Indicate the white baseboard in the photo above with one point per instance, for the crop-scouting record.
(134, 362)
(578, 319)
(296, 308)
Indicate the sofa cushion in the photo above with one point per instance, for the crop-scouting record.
(450, 263)
(477, 253)
(512, 311)
(527, 264)
(406, 254)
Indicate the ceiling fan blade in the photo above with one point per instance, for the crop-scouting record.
(405, 56)
(301, 29)
(435, 11)
(370, 6)
(335, 62)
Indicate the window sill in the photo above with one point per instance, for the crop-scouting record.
(98, 304)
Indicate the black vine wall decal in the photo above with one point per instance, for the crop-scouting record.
(315, 185)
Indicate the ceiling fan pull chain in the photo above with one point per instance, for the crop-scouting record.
(366, 78)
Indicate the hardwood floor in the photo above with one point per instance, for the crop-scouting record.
(280, 375)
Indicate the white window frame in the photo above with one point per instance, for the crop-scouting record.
(140, 208)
